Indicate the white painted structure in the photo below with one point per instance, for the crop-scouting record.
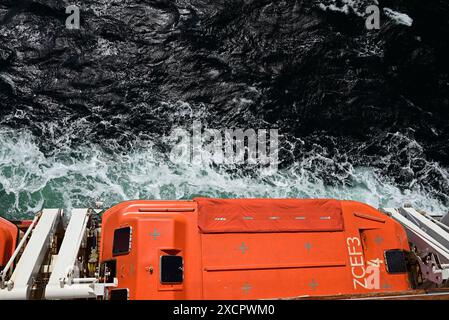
(429, 239)
(29, 265)
(63, 282)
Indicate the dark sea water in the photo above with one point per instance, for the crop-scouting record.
(85, 114)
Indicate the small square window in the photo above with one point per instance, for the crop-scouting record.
(122, 241)
(396, 261)
(172, 269)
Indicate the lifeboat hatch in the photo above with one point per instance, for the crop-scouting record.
(396, 261)
(171, 269)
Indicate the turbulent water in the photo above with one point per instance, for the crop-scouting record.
(86, 114)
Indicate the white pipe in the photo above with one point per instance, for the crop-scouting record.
(75, 291)
(84, 280)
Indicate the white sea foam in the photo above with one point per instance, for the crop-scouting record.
(347, 6)
(398, 17)
(359, 8)
(77, 177)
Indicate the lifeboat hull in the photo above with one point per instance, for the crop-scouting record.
(252, 249)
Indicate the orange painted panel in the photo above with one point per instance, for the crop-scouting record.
(272, 264)
(8, 238)
(274, 283)
(270, 249)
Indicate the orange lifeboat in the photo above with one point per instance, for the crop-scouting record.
(8, 239)
(252, 249)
